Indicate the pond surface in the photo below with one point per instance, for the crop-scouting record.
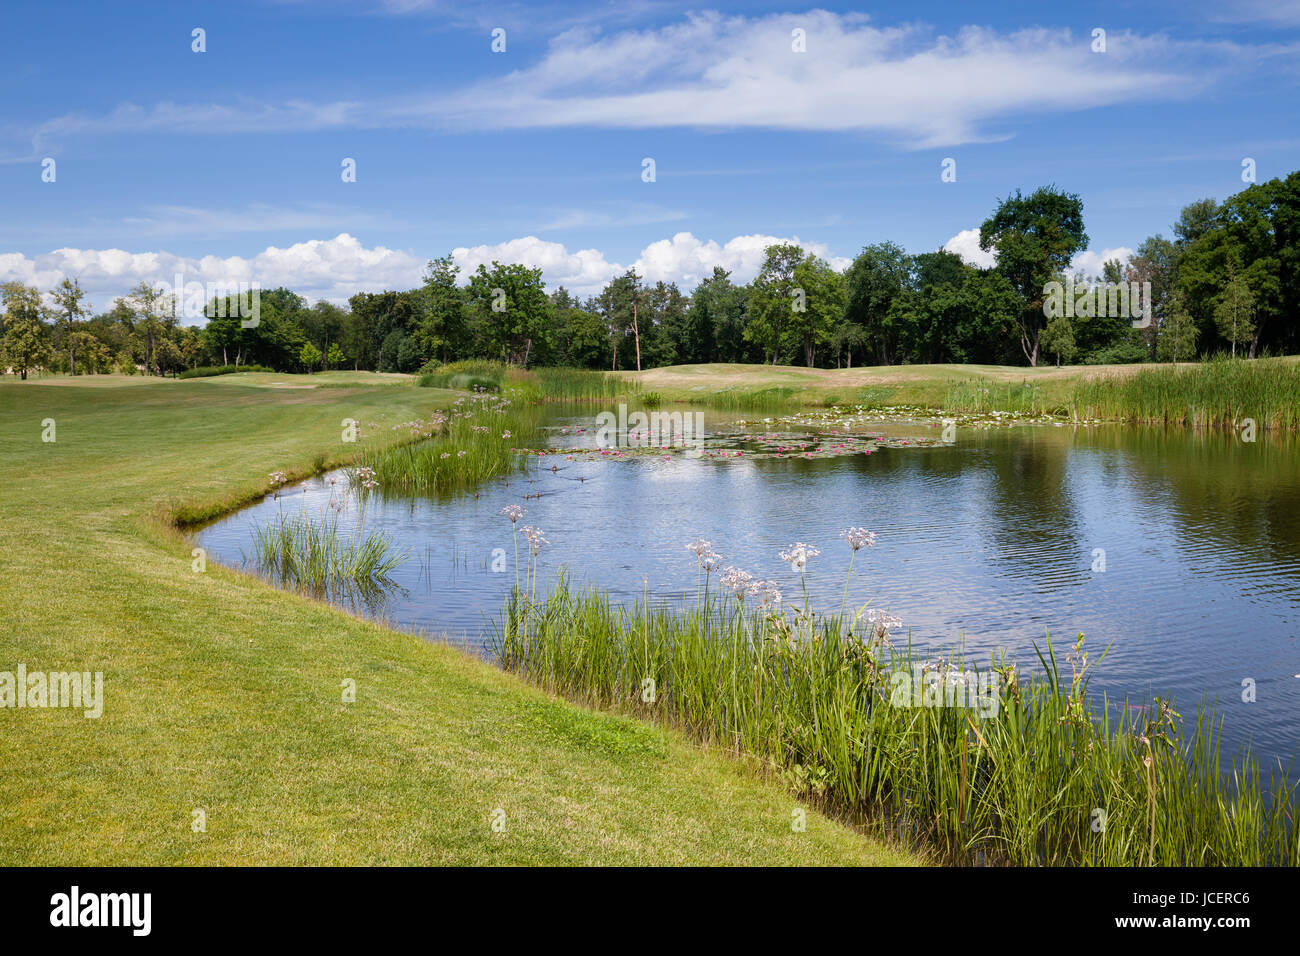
(987, 540)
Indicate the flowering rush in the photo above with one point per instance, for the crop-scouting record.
(738, 582)
(881, 623)
(859, 537)
(709, 559)
(798, 554)
(513, 512)
(535, 538)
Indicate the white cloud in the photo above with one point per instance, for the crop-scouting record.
(330, 269)
(1090, 263)
(334, 269)
(967, 245)
(710, 70)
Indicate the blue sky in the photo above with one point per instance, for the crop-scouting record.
(226, 163)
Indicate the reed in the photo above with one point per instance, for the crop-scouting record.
(995, 765)
(530, 385)
(1218, 393)
(987, 397)
(476, 440)
(775, 399)
(310, 555)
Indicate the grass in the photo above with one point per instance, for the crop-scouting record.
(310, 555)
(1048, 775)
(1219, 393)
(223, 693)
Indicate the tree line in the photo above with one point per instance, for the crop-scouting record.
(1225, 281)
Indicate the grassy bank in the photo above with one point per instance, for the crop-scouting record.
(988, 763)
(224, 695)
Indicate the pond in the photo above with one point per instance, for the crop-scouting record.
(1178, 551)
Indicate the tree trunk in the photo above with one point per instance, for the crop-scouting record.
(636, 334)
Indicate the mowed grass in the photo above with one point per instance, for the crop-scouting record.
(224, 695)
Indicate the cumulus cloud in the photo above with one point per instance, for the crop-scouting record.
(907, 83)
(967, 245)
(1090, 263)
(330, 269)
(334, 269)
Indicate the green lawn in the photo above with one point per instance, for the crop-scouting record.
(223, 694)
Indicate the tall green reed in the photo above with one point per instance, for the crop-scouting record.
(1220, 392)
(994, 764)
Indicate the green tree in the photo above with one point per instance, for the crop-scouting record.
(1058, 339)
(513, 310)
(1235, 311)
(874, 281)
(68, 299)
(441, 329)
(1178, 332)
(1035, 238)
(335, 358)
(309, 356)
(772, 299)
(820, 306)
(23, 346)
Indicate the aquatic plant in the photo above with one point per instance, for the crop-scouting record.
(463, 447)
(985, 764)
(1218, 393)
(311, 555)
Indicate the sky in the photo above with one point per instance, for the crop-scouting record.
(128, 156)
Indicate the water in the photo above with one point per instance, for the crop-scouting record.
(986, 542)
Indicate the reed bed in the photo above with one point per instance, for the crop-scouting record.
(535, 385)
(1218, 393)
(479, 438)
(1048, 775)
(985, 398)
(310, 555)
(775, 399)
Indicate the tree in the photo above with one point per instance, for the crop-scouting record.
(1058, 339)
(23, 344)
(1156, 261)
(148, 305)
(68, 296)
(335, 357)
(1235, 311)
(1178, 332)
(23, 347)
(820, 302)
(876, 278)
(441, 329)
(773, 298)
(513, 310)
(309, 356)
(1035, 238)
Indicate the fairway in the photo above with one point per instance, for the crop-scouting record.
(225, 737)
